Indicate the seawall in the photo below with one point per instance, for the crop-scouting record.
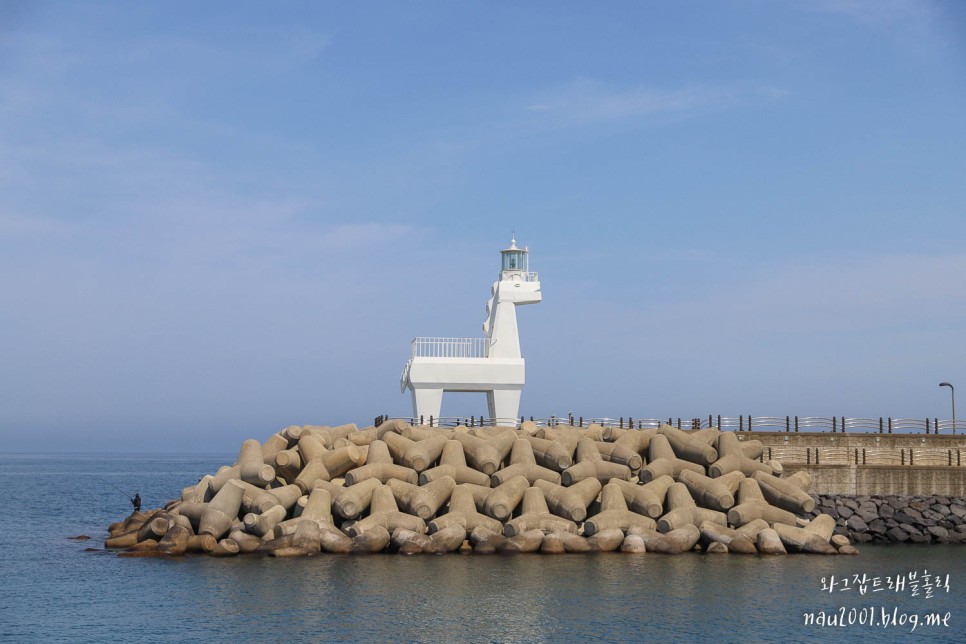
(871, 464)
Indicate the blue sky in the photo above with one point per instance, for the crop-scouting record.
(220, 219)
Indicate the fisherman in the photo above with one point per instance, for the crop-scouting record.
(136, 502)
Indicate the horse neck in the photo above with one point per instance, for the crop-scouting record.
(503, 334)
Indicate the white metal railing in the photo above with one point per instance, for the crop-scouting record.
(525, 277)
(451, 347)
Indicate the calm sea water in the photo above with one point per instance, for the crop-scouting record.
(53, 590)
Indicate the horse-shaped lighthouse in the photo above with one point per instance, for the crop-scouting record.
(492, 364)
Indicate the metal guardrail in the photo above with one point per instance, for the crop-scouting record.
(525, 277)
(451, 347)
(834, 424)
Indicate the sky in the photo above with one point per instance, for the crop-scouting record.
(220, 219)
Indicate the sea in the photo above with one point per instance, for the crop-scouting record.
(59, 589)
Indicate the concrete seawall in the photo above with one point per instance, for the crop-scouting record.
(871, 464)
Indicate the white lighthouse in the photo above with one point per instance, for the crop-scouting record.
(492, 364)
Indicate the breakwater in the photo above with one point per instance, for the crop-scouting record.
(896, 519)
(413, 489)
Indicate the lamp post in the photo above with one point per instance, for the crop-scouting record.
(952, 392)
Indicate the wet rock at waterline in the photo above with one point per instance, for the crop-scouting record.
(396, 488)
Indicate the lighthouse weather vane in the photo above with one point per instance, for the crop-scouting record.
(492, 364)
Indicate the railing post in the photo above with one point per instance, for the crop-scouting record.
(679, 422)
(622, 422)
(421, 421)
(719, 422)
(863, 456)
(890, 424)
(741, 423)
(935, 425)
(749, 422)
(630, 422)
(710, 421)
(581, 421)
(835, 426)
(796, 423)
(880, 424)
(788, 424)
(431, 422)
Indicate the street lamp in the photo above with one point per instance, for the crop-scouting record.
(952, 392)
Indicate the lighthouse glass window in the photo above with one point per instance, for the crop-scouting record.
(513, 261)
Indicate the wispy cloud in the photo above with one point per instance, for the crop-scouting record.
(586, 100)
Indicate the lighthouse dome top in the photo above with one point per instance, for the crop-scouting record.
(515, 259)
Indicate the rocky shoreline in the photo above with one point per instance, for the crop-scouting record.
(895, 519)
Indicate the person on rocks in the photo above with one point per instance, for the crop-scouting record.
(136, 502)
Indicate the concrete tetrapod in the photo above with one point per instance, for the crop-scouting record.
(523, 462)
(662, 461)
(272, 446)
(566, 436)
(350, 502)
(316, 507)
(734, 540)
(407, 542)
(310, 446)
(687, 447)
(591, 464)
(732, 458)
(529, 541)
(801, 540)
(379, 465)
(462, 512)
(683, 511)
(707, 492)
(752, 505)
(288, 464)
(570, 502)
(452, 463)
(784, 494)
(328, 466)
(622, 454)
(486, 455)
(550, 454)
(370, 434)
(418, 455)
(503, 499)
(606, 540)
(262, 524)
(673, 542)
(374, 540)
(422, 501)
(647, 499)
(614, 514)
(385, 513)
(536, 515)
(486, 541)
(221, 511)
(251, 464)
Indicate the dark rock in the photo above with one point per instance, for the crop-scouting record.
(915, 514)
(939, 534)
(849, 503)
(897, 503)
(845, 511)
(877, 526)
(941, 509)
(918, 505)
(867, 513)
(864, 537)
(886, 511)
(958, 510)
(919, 538)
(909, 528)
(902, 517)
(856, 524)
(891, 523)
(832, 512)
(863, 499)
(897, 535)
